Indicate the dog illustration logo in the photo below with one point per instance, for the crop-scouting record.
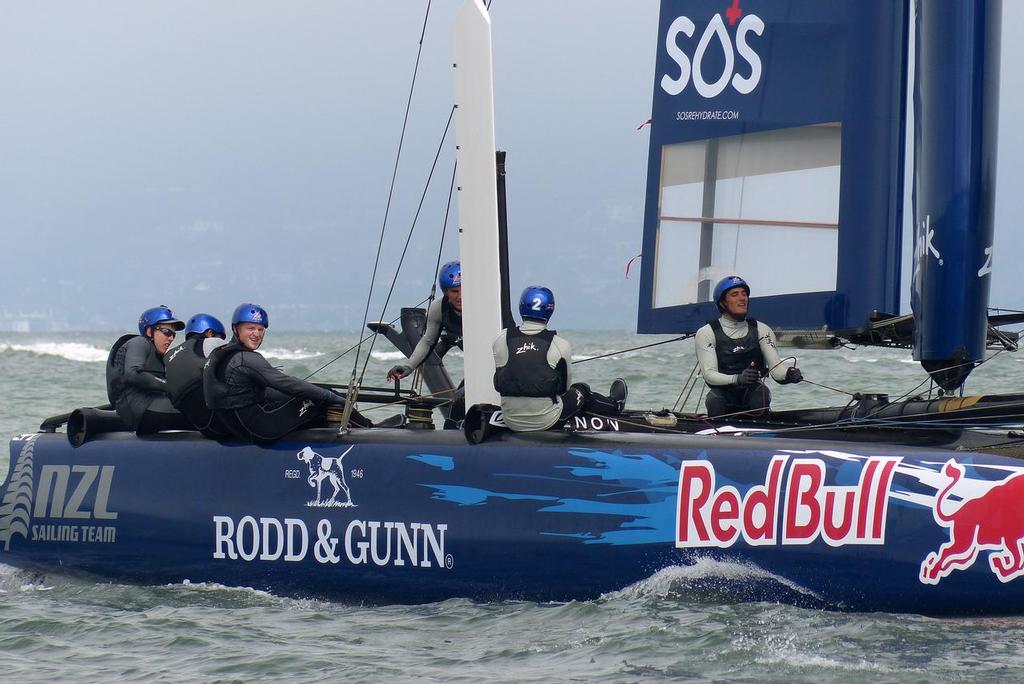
(993, 521)
(326, 468)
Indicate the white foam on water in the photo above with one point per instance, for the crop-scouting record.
(387, 355)
(289, 354)
(790, 655)
(665, 581)
(584, 357)
(72, 351)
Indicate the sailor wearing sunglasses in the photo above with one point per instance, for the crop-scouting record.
(136, 384)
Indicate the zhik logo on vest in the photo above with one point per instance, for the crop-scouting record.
(735, 48)
(529, 346)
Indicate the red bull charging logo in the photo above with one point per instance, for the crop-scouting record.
(987, 522)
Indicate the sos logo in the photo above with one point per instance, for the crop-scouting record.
(732, 74)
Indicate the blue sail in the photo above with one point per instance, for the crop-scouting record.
(776, 152)
(956, 93)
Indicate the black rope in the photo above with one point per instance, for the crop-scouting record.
(444, 230)
(408, 237)
(394, 177)
(645, 346)
(363, 339)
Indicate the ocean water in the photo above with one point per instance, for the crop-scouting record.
(681, 624)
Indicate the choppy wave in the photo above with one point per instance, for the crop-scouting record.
(72, 351)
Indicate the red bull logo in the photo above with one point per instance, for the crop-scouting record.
(717, 516)
(992, 521)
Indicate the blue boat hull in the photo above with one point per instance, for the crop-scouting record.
(401, 516)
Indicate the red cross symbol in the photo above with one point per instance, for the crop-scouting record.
(734, 13)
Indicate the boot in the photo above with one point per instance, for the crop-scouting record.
(618, 393)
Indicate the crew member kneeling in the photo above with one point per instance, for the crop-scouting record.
(256, 401)
(533, 373)
(203, 334)
(734, 352)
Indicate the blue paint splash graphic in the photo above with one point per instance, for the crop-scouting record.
(442, 462)
(637, 476)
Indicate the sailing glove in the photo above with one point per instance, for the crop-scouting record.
(399, 372)
(794, 375)
(749, 376)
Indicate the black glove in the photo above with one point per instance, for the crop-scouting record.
(794, 375)
(399, 372)
(749, 376)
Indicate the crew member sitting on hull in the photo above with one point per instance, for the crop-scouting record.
(257, 402)
(443, 330)
(533, 372)
(734, 352)
(136, 384)
(203, 334)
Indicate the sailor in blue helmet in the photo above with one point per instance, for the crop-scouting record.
(443, 331)
(136, 383)
(444, 322)
(254, 400)
(734, 352)
(203, 334)
(533, 372)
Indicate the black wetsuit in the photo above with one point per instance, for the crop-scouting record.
(260, 403)
(185, 387)
(137, 388)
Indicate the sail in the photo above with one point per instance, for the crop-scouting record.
(776, 153)
(956, 94)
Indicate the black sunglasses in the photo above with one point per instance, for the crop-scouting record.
(166, 332)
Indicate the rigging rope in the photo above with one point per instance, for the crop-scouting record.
(349, 405)
(363, 339)
(624, 351)
(408, 237)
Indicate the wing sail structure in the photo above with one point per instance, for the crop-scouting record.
(777, 154)
(956, 93)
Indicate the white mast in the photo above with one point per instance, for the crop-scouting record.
(478, 200)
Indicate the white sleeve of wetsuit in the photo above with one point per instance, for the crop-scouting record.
(707, 359)
(500, 349)
(769, 348)
(430, 335)
(558, 350)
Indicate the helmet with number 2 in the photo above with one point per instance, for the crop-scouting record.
(537, 302)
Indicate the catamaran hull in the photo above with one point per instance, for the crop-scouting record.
(403, 516)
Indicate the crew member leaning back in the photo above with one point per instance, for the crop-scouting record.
(734, 352)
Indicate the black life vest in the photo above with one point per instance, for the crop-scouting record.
(215, 387)
(527, 372)
(115, 369)
(451, 328)
(184, 366)
(735, 355)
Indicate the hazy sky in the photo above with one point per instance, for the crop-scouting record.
(200, 154)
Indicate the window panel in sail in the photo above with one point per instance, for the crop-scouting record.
(741, 204)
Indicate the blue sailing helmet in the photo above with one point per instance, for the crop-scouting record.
(158, 314)
(726, 284)
(202, 322)
(537, 302)
(250, 313)
(450, 275)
